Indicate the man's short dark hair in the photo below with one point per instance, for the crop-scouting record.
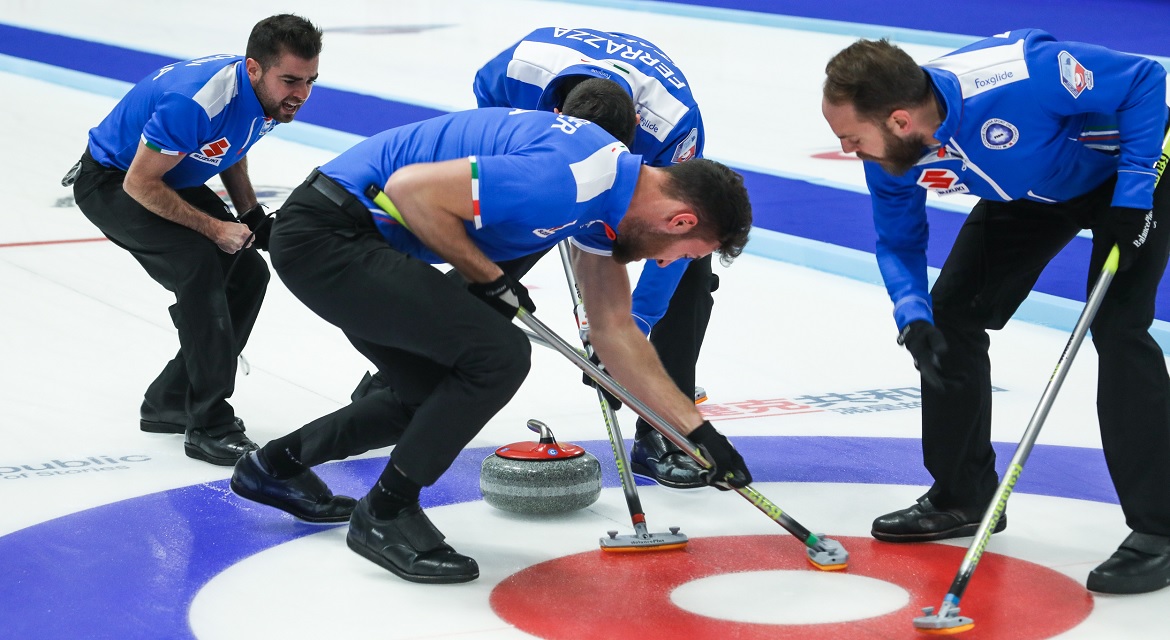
(606, 104)
(275, 35)
(877, 78)
(719, 199)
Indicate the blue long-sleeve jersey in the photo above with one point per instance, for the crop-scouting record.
(527, 74)
(1026, 117)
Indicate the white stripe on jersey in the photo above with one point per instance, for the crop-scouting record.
(215, 96)
(982, 70)
(537, 63)
(596, 174)
(597, 252)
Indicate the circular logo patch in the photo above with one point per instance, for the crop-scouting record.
(999, 134)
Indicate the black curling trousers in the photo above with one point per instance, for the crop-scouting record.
(214, 314)
(996, 259)
(452, 361)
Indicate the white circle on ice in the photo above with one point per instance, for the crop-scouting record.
(795, 597)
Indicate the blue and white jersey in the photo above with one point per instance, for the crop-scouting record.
(1027, 118)
(537, 178)
(670, 130)
(203, 109)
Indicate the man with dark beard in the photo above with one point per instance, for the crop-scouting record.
(1054, 137)
(474, 189)
(673, 304)
(141, 181)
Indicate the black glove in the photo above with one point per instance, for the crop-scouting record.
(729, 467)
(614, 403)
(926, 343)
(505, 294)
(261, 225)
(1128, 228)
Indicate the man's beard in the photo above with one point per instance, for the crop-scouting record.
(272, 107)
(901, 153)
(636, 241)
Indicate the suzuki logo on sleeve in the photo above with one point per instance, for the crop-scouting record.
(213, 152)
(215, 149)
(943, 182)
(937, 179)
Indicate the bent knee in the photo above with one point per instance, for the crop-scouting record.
(505, 360)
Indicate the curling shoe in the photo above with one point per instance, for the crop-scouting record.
(408, 545)
(1140, 565)
(656, 458)
(221, 445)
(923, 522)
(304, 495)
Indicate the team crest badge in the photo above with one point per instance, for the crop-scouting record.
(1073, 75)
(687, 149)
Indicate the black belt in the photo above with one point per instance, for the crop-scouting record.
(336, 193)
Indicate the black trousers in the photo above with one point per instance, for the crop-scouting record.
(452, 361)
(213, 314)
(996, 259)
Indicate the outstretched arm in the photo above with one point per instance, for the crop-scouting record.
(628, 356)
(631, 361)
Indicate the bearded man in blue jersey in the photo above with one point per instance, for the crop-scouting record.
(477, 190)
(1054, 137)
(142, 182)
(671, 304)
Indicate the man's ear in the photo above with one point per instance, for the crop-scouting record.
(682, 222)
(900, 121)
(254, 69)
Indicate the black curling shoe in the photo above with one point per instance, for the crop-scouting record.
(304, 495)
(409, 546)
(656, 458)
(1140, 565)
(923, 522)
(217, 446)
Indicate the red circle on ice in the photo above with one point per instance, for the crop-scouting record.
(627, 595)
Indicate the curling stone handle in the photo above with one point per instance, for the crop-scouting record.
(546, 434)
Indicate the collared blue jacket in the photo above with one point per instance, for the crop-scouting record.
(1027, 118)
